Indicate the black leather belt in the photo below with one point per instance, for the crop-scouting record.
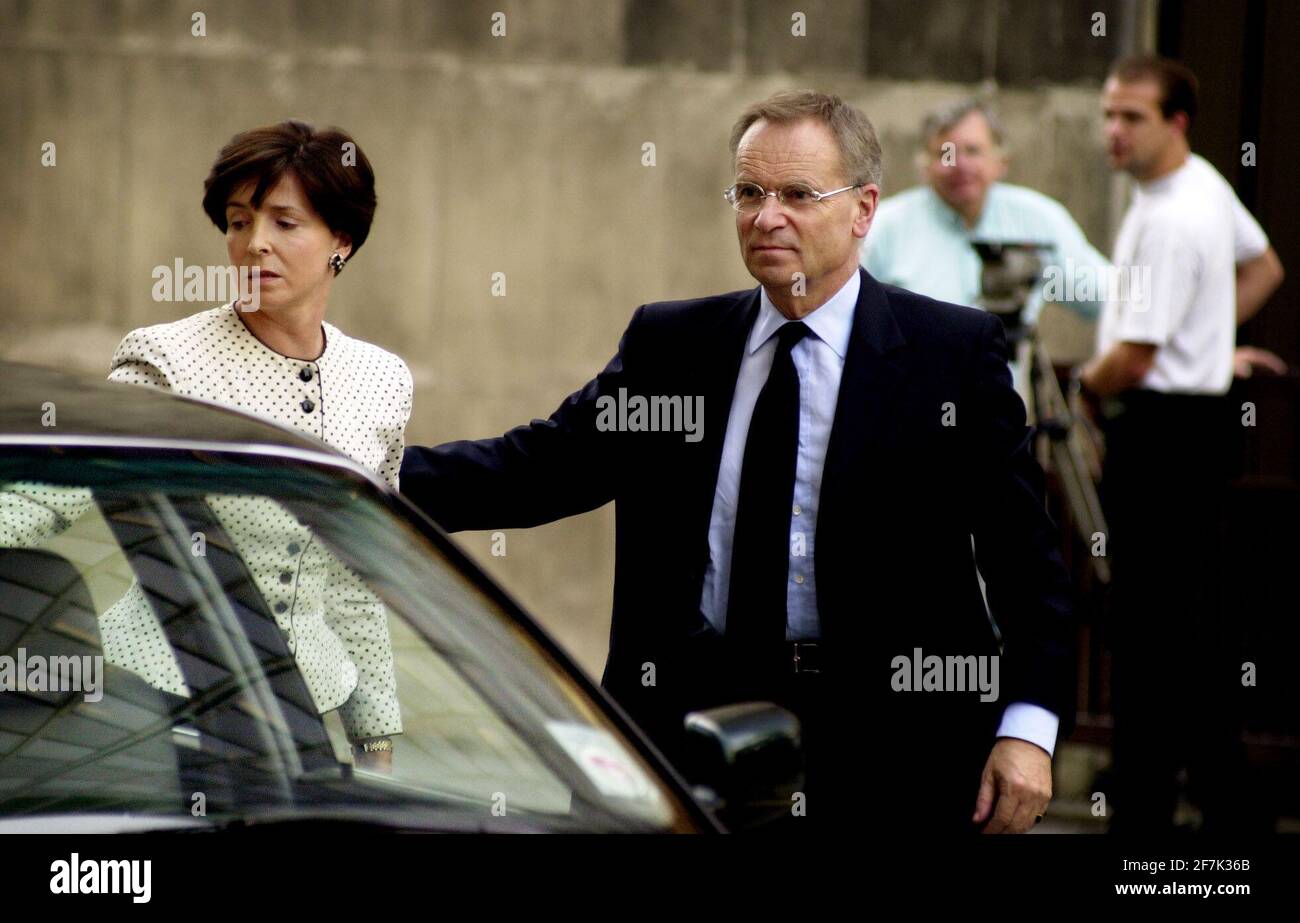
(804, 656)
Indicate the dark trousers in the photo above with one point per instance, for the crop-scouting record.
(1177, 652)
(865, 761)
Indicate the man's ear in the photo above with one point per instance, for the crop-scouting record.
(1180, 122)
(866, 203)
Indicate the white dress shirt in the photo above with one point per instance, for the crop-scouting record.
(819, 360)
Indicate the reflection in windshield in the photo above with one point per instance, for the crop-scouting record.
(230, 688)
(334, 626)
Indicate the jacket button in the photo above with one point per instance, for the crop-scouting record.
(305, 374)
(285, 576)
(307, 405)
(293, 548)
(281, 606)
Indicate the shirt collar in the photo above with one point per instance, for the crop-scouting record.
(943, 211)
(1163, 183)
(832, 322)
(949, 216)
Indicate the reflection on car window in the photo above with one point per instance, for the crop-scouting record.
(249, 638)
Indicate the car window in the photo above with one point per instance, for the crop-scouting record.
(253, 623)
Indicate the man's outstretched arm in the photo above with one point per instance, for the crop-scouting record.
(533, 474)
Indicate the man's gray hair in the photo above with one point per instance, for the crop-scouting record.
(854, 136)
(948, 115)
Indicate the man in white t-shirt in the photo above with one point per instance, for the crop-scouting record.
(1193, 264)
(1178, 223)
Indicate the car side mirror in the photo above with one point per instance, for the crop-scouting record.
(749, 757)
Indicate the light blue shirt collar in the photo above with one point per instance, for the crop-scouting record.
(832, 322)
(948, 215)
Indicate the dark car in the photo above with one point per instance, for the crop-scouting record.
(112, 493)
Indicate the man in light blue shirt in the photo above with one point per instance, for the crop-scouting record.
(922, 237)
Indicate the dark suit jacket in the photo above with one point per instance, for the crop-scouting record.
(902, 493)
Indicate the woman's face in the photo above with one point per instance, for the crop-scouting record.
(286, 240)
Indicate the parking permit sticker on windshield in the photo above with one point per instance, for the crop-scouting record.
(603, 760)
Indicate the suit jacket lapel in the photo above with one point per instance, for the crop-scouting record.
(863, 422)
(723, 347)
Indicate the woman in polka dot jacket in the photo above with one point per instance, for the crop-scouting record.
(295, 204)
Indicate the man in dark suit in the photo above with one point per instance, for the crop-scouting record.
(812, 543)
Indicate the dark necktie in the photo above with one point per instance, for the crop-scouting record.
(760, 547)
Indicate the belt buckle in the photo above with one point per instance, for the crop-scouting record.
(797, 660)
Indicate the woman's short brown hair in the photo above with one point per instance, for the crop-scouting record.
(334, 173)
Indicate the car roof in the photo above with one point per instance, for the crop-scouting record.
(91, 410)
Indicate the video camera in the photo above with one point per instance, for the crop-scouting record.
(1011, 273)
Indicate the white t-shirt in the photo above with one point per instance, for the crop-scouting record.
(1178, 247)
(1248, 238)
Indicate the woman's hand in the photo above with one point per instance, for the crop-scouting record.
(376, 762)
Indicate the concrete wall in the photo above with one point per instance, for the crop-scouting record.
(519, 154)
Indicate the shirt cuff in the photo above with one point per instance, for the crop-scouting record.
(1032, 723)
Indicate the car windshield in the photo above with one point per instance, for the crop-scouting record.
(200, 638)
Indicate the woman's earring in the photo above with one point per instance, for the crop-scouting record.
(337, 263)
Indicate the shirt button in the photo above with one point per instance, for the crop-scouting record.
(305, 374)
(285, 576)
(281, 606)
(307, 405)
(798, 578)
(796, 509)
(293, 548)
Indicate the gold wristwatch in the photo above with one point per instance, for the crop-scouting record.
(375, 745)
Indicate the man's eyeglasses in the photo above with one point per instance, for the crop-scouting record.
(747, 197)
